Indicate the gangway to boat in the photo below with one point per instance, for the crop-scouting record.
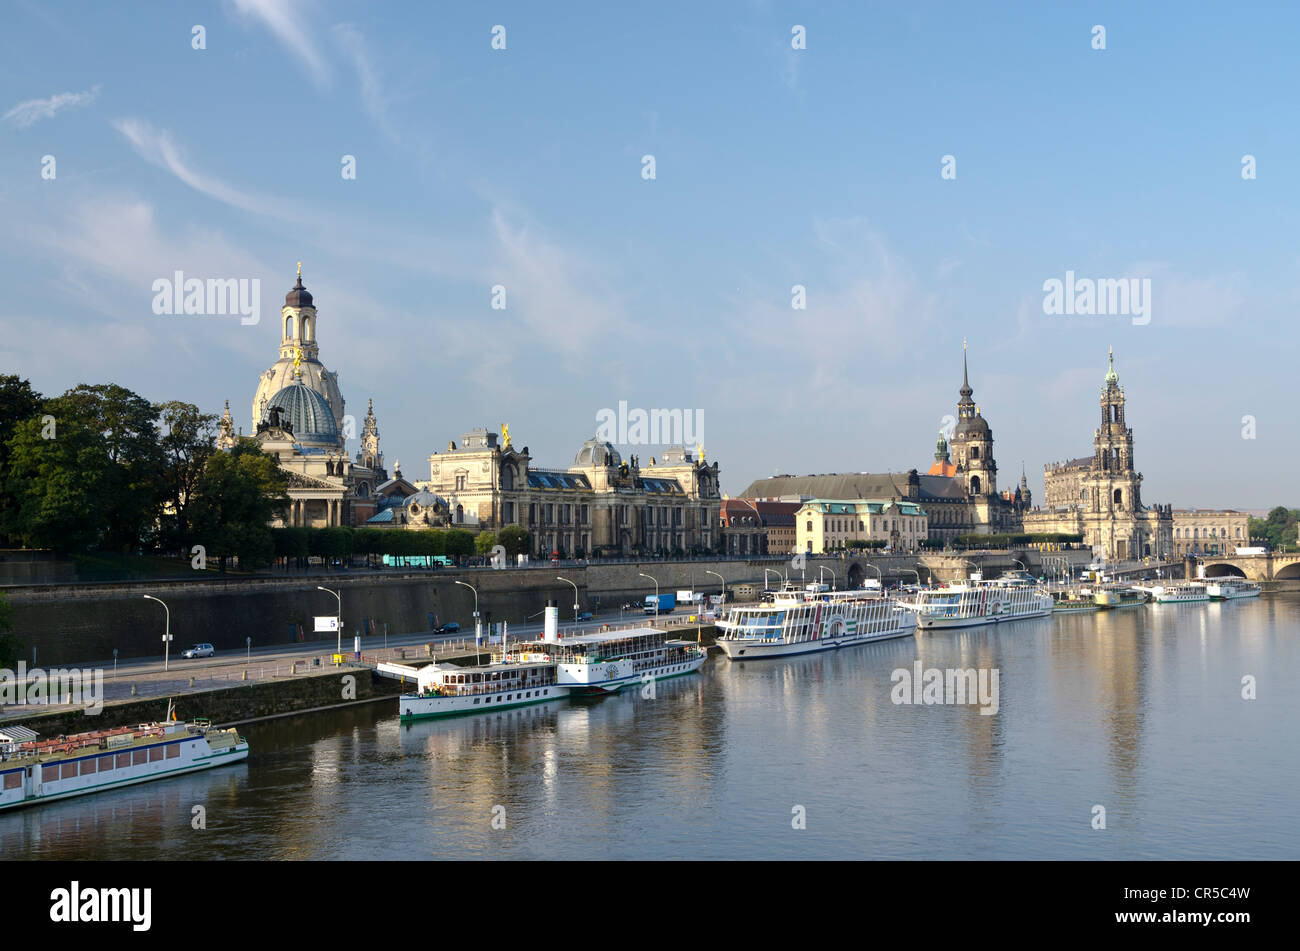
(402, 672)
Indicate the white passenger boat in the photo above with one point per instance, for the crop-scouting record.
(961, 604)
(447, 690)
(35, 771)
(1230, 590)
(607, 661)
(1179, 592)
(813, 619)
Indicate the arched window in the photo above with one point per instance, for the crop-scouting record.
(1119, 496)
(975, 485)
(306, 328)
(460, 513)
(975, 452)
(288, 327)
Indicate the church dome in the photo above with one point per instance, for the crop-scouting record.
(973, 425)
(597, 453)
(427, 500)
(306, 411)
(298, 295)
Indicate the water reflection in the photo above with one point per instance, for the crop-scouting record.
(1138, 710)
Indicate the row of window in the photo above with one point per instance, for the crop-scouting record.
(109, 761)
(1198, 532)
(877, 525)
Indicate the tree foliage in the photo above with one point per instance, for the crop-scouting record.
(514, 539)
(56, 488)
(237, 495)
(187, 440)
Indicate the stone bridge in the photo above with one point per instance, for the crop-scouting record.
(1273, 566)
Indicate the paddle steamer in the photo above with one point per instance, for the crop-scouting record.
(34, 771)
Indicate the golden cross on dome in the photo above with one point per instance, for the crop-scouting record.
(300, 270)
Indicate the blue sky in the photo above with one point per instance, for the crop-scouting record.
(774, 167)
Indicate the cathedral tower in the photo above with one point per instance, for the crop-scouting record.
(972, 442)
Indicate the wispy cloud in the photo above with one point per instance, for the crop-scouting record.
(290, 22)
(558, 294)
(373, 100)
(34, 110)
(157, 147)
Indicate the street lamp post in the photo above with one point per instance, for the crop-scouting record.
(656, 581)
(834, 579)
(575, 598)
(478, 627)
(880, 576)
(338, 618)
(167, 633)
(774, 571)
(722, 579)
(915, 572)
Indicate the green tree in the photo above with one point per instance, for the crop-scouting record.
(55, 487)
(128, 424)
(187, 440)
(19, 403)
(235, 498)
(459, 542)
(483, 543)
(291, 542)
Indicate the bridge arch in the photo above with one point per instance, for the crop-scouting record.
(1223, 570)
(856, 574)
(1290, 572)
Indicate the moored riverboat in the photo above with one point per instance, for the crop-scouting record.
(813, 619)
(36, 771)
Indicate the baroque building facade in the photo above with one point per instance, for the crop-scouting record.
(1209, 531)
(959, 493)
(1100, 496)
(600, 505)
(298, 420)
(825, 525)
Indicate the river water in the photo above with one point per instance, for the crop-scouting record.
(1138, 711)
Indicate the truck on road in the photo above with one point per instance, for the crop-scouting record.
(662, 604)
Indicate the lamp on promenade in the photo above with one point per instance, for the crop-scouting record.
(167, 634)
(478, 626)
(655, 580)
(723, 580)
(575, 598)
(338, 617)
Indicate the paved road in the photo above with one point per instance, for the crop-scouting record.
(149, 678)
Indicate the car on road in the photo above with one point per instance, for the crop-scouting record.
(451, 628)
(199, 650)
(584, 616)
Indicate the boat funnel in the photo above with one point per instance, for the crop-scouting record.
(550, 632)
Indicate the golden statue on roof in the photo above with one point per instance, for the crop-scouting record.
(505, 434)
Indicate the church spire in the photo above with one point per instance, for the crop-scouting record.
(1111, 376)
(965, 406)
